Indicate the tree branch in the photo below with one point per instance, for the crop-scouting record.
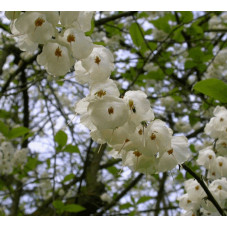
(123, 193)
(114, 17)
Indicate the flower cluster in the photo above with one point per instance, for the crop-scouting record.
(214, 159)
(195, 202)
(218, 68)
(9, 158)
(127, 124)
(61, 35)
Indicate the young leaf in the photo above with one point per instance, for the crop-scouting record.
(61, 138)
(59, 206)
(74, 208)
(71, 148)
(125, 206)
(136, 35)
(17, 132)
(213, 88)
(144, 199)
(4, 129)
(69, 177)
(186, 16)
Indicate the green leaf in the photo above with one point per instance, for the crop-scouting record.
(17, 132)
(48, 163)
(155, 75)
(113, 170)
(186, 16)
(136, 35)
(144, 199)
(59, 206)
(74, 208)
(178, 35)
(177, 98)
(61, 138)
(132, 199)
(193, 119)
(192, 148)
(162, 23)
(30, 134)
(100, 43)
(71, 148)
(4, 129)
(125, 206)
(132, 213)
(189, 64)
(69, 177)
(32, 163)
(153, 46)
(214, 88)
(113, 29)
(196, 54)
(5, 114)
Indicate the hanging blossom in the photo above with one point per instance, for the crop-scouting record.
(10, 157)
(214, 160)
(62, 36)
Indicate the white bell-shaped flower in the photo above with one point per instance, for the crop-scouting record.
(221, 163)
(55, 58)
(36, 26)
(136, 161)
(139, 107)
(187, 203)
(99, 63)
(206, 157)
(209, 213)
(178, 154)
(81, 106)
(23, 41)
(194, 190)
(80, 45)
(107, 87)
(84, 20)
(189, 213)
(157, 138)
(217, 126)
(12, 15)
(25, 44)
(219, 189)
(108, 113)
(136, 139)
(81, 74)
(67, 18)
(80, 19)
(52, 17)
(221, 147)
(213, 171)
(118, 137)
